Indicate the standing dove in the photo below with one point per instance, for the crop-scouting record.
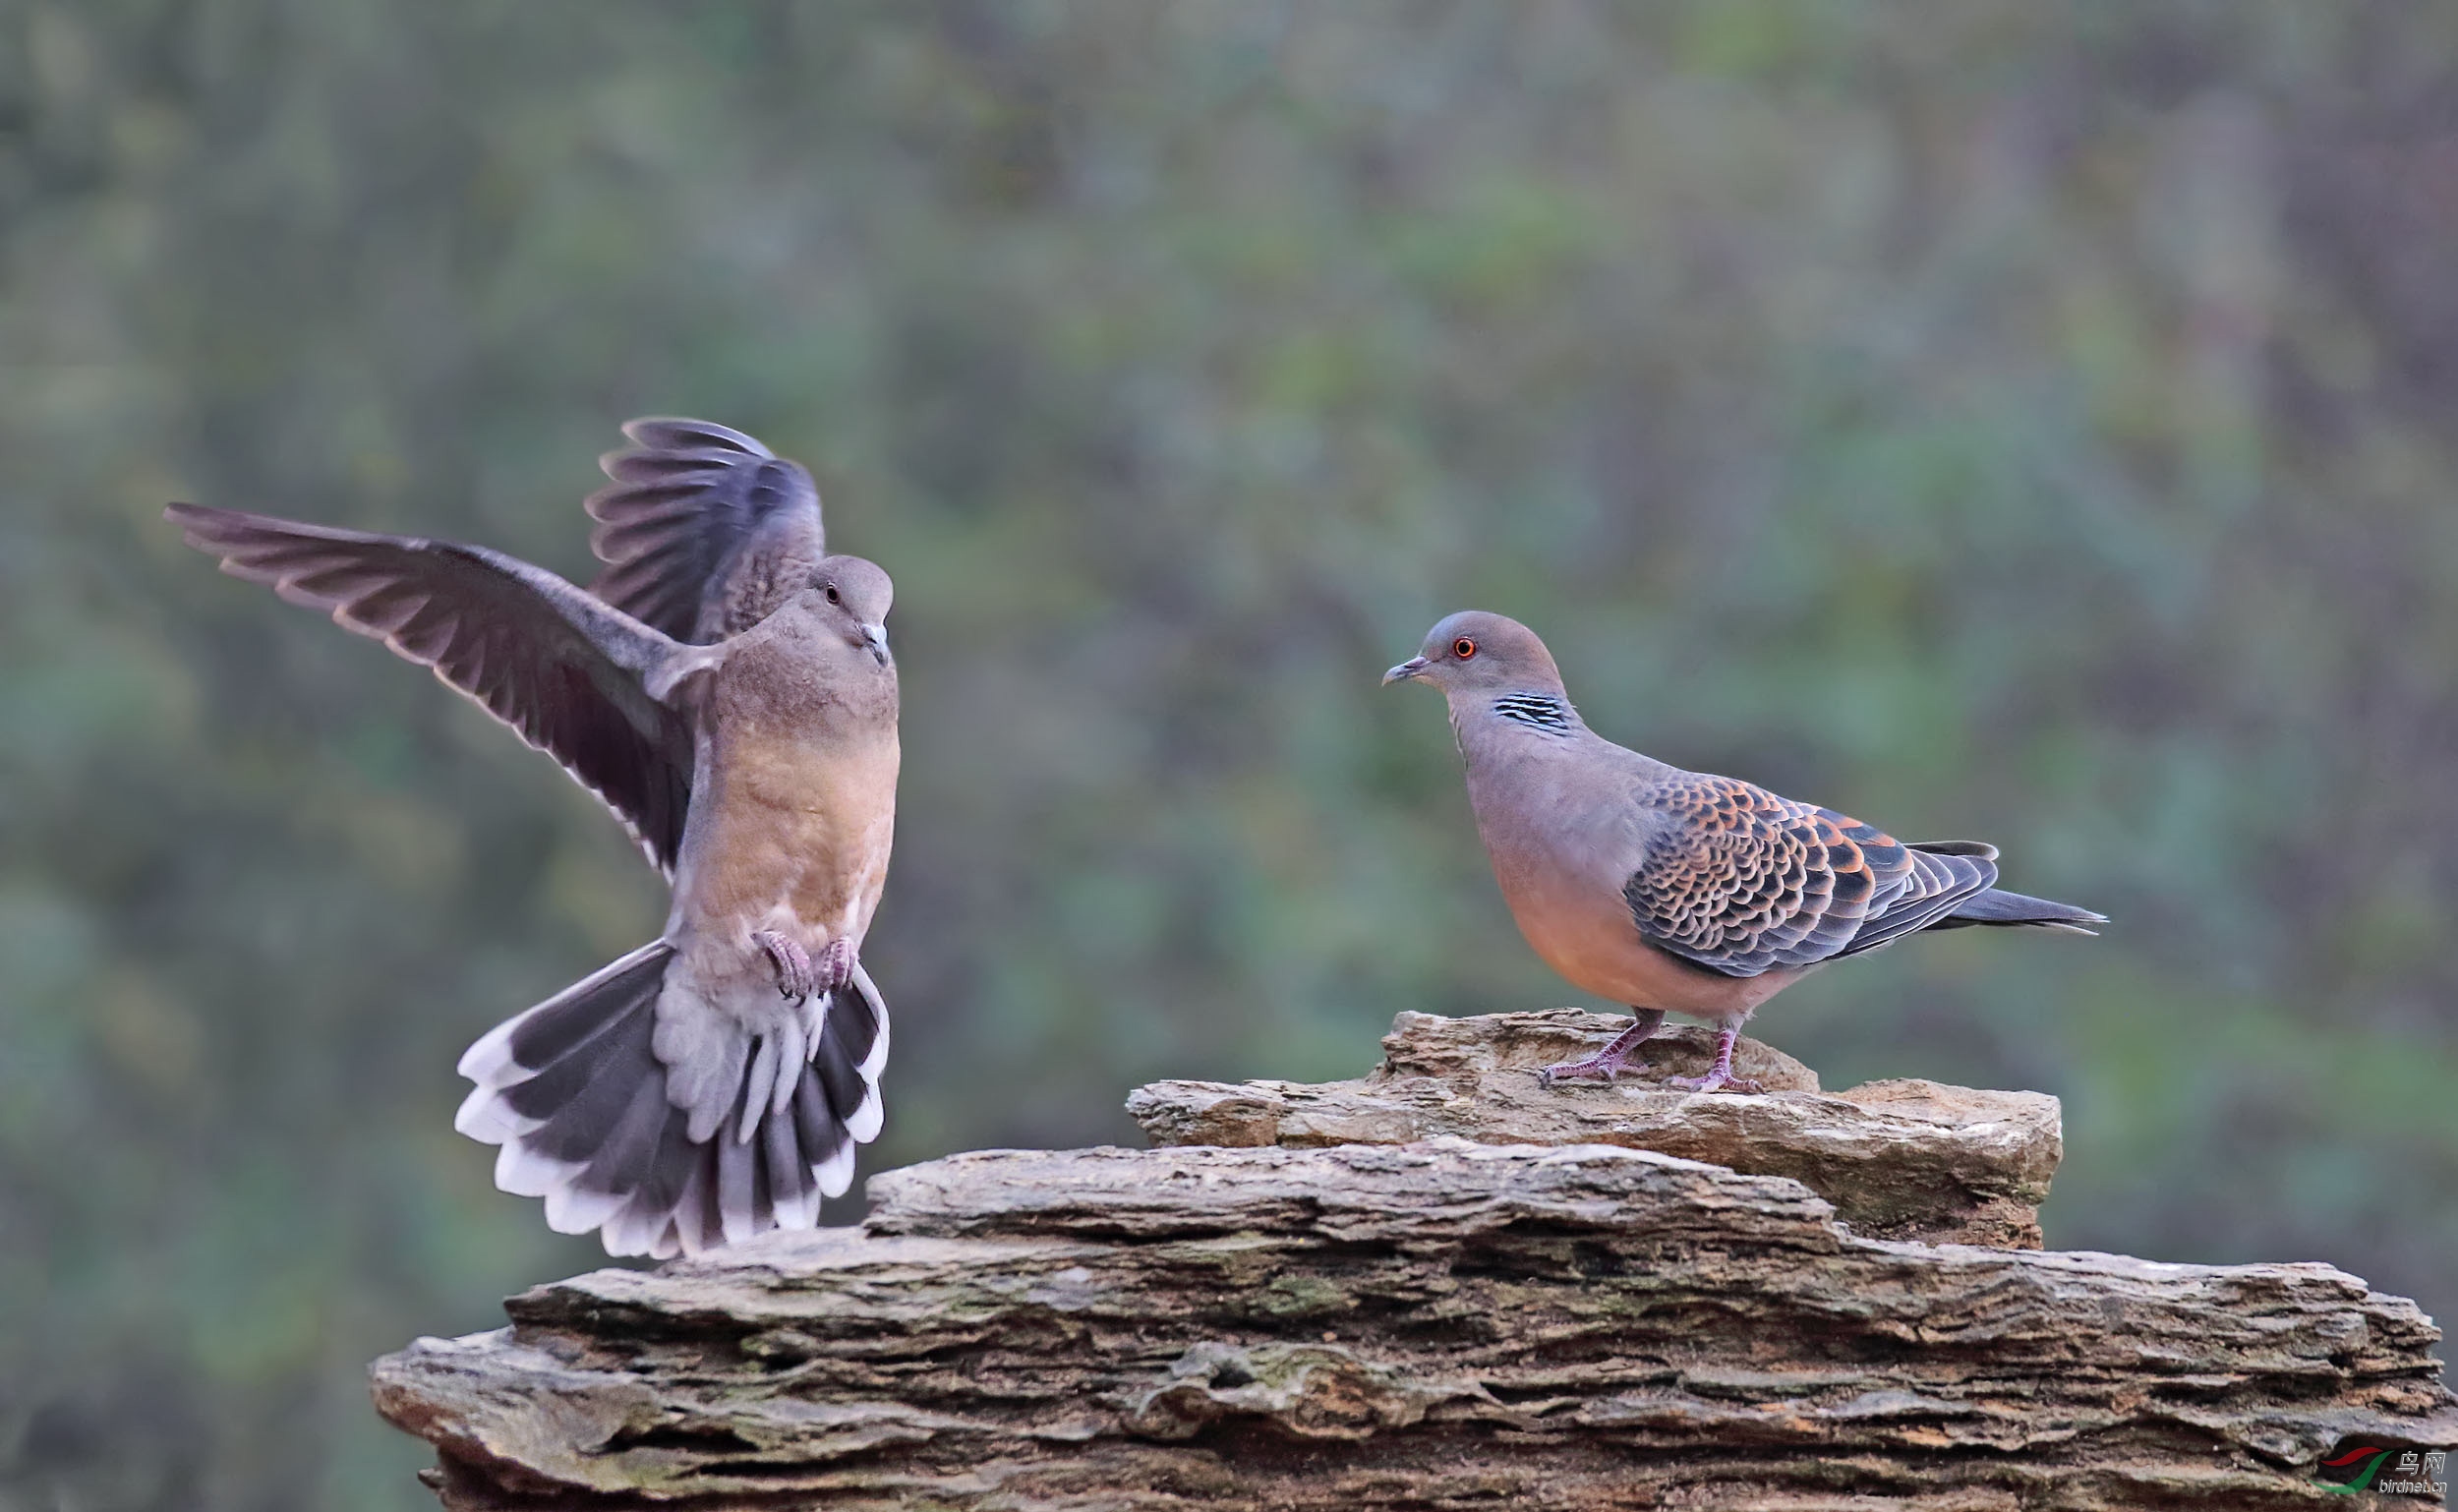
(1672, 891)
(725, 687)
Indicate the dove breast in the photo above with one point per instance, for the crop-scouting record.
(1561, 822)
(798, 760)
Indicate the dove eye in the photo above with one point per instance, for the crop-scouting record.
(833, 596)
(1463, 648)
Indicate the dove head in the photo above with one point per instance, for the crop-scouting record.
(853, 596)
(1473, 652)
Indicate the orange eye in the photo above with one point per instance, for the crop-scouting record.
(1463, 648)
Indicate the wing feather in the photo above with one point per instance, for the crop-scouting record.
(701, 528)
(1744, 881)
(563, 669)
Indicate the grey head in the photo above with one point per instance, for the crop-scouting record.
(1494, 672)
(849, 596)
(1473, 653)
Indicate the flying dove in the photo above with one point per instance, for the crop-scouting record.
(1672, 891)
(726, 688)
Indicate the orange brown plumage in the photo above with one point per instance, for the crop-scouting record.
(1673, 891)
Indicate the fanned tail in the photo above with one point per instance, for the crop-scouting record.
(575, 1094)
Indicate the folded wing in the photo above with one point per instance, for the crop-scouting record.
(565, 669)
(1742, 881)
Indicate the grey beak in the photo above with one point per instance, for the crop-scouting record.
(1405, 671)
(875, 636)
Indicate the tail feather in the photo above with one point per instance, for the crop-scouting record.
(790, 1176)
(1999, 906)
(852, 1049)
(742, 1210)
(1944, 872)
(580, 1093)
(664, 1177)
(827, 1141)
(553, 1029)
(575, 1106)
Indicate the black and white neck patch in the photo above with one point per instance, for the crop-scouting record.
(1537, 711)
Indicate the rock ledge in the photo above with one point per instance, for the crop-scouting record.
(1440, 1324)
(1900, 1159)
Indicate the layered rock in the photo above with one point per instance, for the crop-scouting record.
(1435, 1323)
(1900, 1159)
(1429, 1325)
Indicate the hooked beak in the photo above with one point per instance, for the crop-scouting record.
(1413, 666)
(875, 636)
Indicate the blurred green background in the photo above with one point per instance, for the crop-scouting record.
(2031, 422)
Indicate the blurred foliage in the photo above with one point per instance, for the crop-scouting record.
(1999, 420)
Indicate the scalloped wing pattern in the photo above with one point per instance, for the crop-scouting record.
(1744, 881)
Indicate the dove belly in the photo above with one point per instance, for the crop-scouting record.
(1589, 938)
(1569, 906)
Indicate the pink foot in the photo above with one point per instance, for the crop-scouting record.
(1719, 1077)
(836, 965)
(1614, 1058)
(795, 977)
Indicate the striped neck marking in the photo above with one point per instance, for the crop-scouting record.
(1537, 711)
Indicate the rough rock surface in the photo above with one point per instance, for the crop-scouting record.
(1441, 1324)
(1900, 1159)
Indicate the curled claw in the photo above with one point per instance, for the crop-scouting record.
(795, 977)
(1712, 1082)
(1614, 1059)
(836, 965)
(1596, 1068)
(1719, 1077)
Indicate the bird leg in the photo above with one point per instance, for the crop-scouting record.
(1614, 1058)
(1719, 1077)
(794, 976)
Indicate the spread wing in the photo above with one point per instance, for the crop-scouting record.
(1742, 881)
(560, 668)
(703, 530)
